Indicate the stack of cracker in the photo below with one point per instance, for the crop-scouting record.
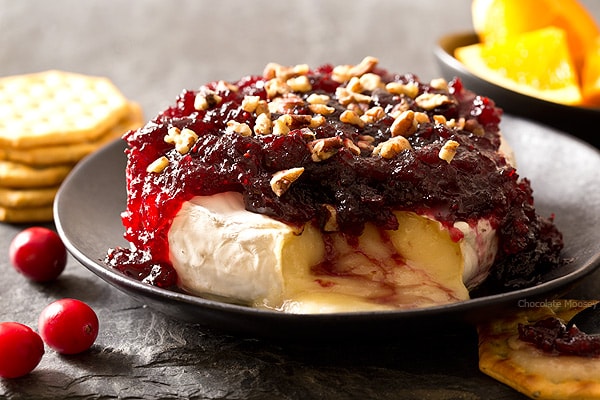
(48, 122)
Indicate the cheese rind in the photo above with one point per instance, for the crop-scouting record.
(220, 249)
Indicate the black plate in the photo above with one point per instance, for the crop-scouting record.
(578, 121)
(565, 177)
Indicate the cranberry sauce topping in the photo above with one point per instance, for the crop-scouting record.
(338, 147)
(551, 335)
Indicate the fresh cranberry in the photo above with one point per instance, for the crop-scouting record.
(21, 349)
(68, 326)
(38, 253)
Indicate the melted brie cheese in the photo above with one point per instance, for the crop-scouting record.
(220, 249)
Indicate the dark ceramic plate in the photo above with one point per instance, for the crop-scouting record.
(565, 177)
(578, 121)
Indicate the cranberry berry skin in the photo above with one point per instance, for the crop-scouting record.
(38, 254)
(68, 326)
(21, 349)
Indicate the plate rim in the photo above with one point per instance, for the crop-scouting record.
(134, 287)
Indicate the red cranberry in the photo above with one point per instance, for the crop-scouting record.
(38, 253)
(21, 349)
(68, 326)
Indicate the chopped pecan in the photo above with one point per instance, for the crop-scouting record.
(343, 73)
(182, 139)
(352, 118)
(282, 180)
(263, 125)
(410, 89)
(429, 101)
(403, 125)
(158, 165)
(448, 150)
(237, 127)
(206, 99)
(349, 144)
(373, 115)
(392, 147)
(322, 149)
(331, 224)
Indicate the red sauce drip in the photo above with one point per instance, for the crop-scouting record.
(551, 335)
(478, 183)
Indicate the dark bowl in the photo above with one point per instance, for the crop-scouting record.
(577, 121)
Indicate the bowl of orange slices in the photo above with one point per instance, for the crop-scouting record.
(538, 59)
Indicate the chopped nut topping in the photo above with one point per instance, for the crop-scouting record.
(223, 86)
(349, 144)
(263, 125)
(331, 225)
(350, 117)
(421, 117)
(274, 70)
(354, 85)
(237, 127)
(429, 101)
(371, 81)
(392, 147)
(343, 73)
(322, 149)
(439, 83)
(307, 134)
(206, 100)
(365, 142)
(440, 119)
(262, 108)
(473, 126)
(403, 124)
(317, 121)
(183, 139)
(346, 97)
(399, 108)
(315, 98)
(448, 150)
(408, 89)
(282, 180)
(158, 165)
(281, 126)
(275, 87)
(373, 115)
(321, 109)
(250, 103)
(299, 84)
(285, 104)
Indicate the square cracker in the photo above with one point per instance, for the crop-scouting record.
(17, 175)
(56, 107)
(537, 374)
(26, 198)
(26, 215)
(44, 156)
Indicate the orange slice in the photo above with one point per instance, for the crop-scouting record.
(591, 76)
(536, 63)
(495, 20)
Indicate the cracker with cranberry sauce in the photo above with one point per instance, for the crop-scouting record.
(532, 352)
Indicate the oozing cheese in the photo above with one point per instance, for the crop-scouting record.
(220, 249)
